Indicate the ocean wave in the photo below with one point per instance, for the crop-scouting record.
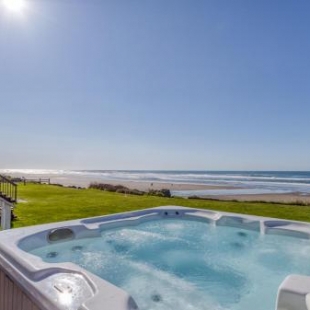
(199, 176)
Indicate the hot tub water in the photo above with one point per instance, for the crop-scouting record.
(188, 265)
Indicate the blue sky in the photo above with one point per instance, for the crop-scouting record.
(177, 84)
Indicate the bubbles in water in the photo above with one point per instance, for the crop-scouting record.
(51, 254)
(77, 248)
(188, 265)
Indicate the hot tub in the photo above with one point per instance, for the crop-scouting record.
(157, 259)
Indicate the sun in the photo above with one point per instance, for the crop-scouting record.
(14, 5)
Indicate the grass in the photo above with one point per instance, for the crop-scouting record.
(47, 203)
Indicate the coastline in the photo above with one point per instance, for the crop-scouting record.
(84, 181)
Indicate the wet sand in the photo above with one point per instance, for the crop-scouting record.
(290, 198)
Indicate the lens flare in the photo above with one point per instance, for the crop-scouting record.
(14, 5)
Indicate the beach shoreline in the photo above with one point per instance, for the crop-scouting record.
(85, 180)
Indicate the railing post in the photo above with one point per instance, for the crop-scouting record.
(8, 189)
(5, 214)
(15, 193)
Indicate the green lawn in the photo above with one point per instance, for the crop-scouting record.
(47, 203)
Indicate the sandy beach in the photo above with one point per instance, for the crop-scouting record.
(84, 181)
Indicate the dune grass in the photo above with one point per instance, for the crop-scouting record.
(41, 204)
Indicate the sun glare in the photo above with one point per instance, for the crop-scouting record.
(14, 5)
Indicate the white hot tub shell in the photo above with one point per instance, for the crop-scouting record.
(29, 283)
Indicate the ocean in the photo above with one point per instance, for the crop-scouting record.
(233, 182)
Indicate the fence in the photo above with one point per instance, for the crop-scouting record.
(38, 181)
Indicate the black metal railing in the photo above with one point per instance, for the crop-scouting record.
(8, 189)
